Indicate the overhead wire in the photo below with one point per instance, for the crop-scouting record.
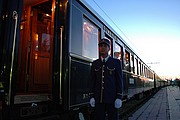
(114, 24)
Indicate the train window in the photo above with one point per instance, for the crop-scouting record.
(147, 73)
(127, 61)
(140, 71)
(132, 64)
(111, 46)
(90, 40)
(118, 51)
(136, 66)
(151, 75)
(145, 69)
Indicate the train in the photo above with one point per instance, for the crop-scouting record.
(46, 51)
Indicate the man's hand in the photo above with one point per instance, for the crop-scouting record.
(118, 103)
(92, 102)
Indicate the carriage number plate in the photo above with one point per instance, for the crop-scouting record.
(28, 111)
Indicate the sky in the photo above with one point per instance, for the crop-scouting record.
(150, 27)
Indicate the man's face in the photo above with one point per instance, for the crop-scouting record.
(104, 49)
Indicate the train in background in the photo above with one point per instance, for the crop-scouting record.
(46, 51)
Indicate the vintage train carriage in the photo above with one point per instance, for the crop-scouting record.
(138, 78)
(161, 82)
(47, 47)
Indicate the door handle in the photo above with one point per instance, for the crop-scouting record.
(60, 82)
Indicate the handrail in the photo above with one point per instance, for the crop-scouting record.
(15, 17)
(60, 70)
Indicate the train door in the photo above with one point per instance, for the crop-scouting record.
(35, 50)
(27, 57)
(34, 83)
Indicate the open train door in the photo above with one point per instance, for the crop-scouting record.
(27, 46)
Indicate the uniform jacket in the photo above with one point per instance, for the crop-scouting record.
(107, 80)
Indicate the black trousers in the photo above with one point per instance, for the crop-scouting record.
(101, 109)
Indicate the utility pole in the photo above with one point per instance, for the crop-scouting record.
(153, 63)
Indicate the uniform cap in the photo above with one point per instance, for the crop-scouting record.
(105, 41)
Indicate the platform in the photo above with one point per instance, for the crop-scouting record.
(164, 105)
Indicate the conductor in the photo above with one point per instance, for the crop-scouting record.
(107, 83)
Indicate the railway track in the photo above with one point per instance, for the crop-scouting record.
(130, 106)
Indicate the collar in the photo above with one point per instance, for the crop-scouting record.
(105, 58)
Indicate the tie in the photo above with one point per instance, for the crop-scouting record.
(104, 61)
